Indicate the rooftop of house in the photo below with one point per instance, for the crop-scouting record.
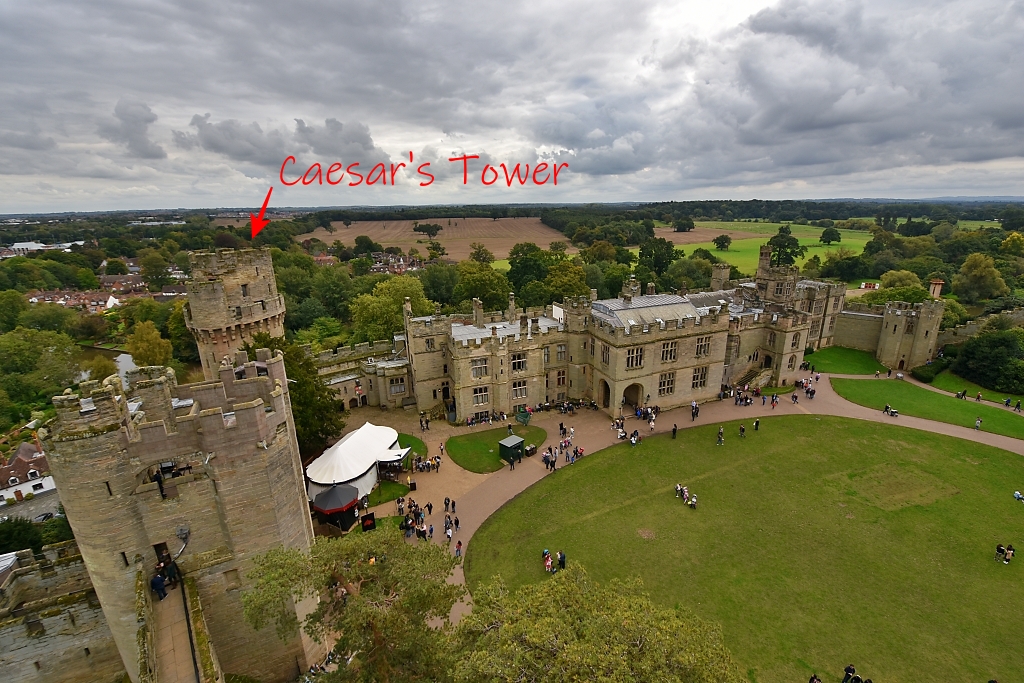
(466, 333)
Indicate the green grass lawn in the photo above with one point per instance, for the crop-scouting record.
(840, 360)
(386, 491)
(810, 556)
(410, 441)
(919, 402)
(478, 451)
(947, 381)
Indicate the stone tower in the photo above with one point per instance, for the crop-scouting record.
(909, 331)
(775, 283)
(719, 276)
(232, 487)
(232, 295)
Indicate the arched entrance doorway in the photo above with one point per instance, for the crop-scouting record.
(900, 367)
(353, 403)
(445, 391)
(767, 362)
(633, 394)
(606, 395)
(362, 399)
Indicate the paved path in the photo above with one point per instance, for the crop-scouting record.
(480, 496)
(173, 649)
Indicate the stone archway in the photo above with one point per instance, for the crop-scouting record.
(353, 403)
(767, 362)
(606, 394)
(634, 394)
(900, 366)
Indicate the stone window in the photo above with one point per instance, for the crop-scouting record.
(668, 351)
(635, 357)
(560, 378)
(792, 362)
(819, 306)
(835, 304)
(591, 346)
(815, 328)
(561, 395)
(771, 339)
(397, 385)
(561, 352)
(547, 355)
(245, 291)
(831, 323)
(778, 289)
(606, 354)
(429, 343)
(703, 346)
(478, 367)
(480, 396)
(700, 378)
(796, 341)
(910, 327)
(518, 362)
(666, 383)
(519, 389)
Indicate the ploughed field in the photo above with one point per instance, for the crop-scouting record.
(817, 542)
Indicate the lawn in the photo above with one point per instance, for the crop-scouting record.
(387, 491)
(478, 451)
(840, 360)
(919, 402)
(810, 557)
(410, 441)
(947, 381)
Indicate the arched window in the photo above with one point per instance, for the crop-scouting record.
(792, 362)
(796, 341)
(771, 339)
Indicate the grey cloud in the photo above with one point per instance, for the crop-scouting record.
(236, 140)
(30, 141)
(133, 120)
(340, 141)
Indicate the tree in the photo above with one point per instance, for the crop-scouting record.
(978, 279)
(994, 360)
(911, 295)
(12, 304)
(566, 279)
(316, 410)
(569, 628)
(657, 253)
(377, 596)
(146, 345)
(1013, 219)
(480, 281)
(36, 363)
(692, 274)
(1013, 244)
(365, 245)
(428, 229)
(527, 262)
(480, 253)
(52, 317)
(57, 529)
(599, 251)
(439, 280)
(183, 344)
(683, 224)
(722, 242)
(830, 235)
(17, 533)
(812, 267)
(100, 367)
(786, 249)
(900, 278)
(115, 267)
(559, 247)
(379, 315)
(953, 314)
(154, 271)
(92, 326)
(435, 250)
(332, 287)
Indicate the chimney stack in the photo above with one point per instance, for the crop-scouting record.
(650, 289)
(478, 312)
(935, 287)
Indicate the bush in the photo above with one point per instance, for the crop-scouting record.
(29, 495)
(927, 373)
(950, 351)
(10, 501)
(808, 351)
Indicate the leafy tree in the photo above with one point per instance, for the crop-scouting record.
(559, 247)
(87, 279)
(315, 409)
(614, 276)
(703, 253)
(683, 224)
(294, 281)
(534, 293)
(722, 242)
(100, 367)
(436, 250)
(17, 533)
(978, 279)
(12, 304)
(830, 235)
(811, 268)
(53, 317)
(361, 266)
(786, 249)
(439, 281)
(994, 360)
(1013, 219)
(379, 315)
(913, 295)
(183, 344)
(303, 315)
(692, 274)
(570, 628)
(657, 254)
(146, 345)
(599, 251)
(115, 267)
(566, 279)
(92, 326)
(527, 262)
(365, 245)
(480, 281)
(480, 253)
(36, 363)
(154, 271)
(377, 596)
(953, 314)
(1013, 244)
(428, 229)
(900, 278)
(332, 287)
(56, 529)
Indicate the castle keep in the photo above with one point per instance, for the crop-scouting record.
(232, 487)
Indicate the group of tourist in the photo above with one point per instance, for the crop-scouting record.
(424, 423)
(564, 447)
(166, 576)
(684, 493)
(1004, 554)
(549, 562)
(850, 675)
(694, 411)
(316, 669)
(421, 464)
(1016, 408)
(890, 411)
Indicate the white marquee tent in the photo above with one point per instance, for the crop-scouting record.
(353, 460)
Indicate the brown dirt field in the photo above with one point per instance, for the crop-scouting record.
(498, 235)
(700, 234)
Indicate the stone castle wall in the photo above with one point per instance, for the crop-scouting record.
(961, 333)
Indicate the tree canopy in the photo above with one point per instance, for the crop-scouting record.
(147, 346)
(786, 249)
(722, 242)
(830, 235)
(979, 279)
(379, 315)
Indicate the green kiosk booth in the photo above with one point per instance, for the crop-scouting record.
(511, 447)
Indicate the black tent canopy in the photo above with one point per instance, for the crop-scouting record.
(338, 498)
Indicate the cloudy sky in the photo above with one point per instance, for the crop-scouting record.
(111, 104)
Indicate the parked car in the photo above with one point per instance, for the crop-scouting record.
(43, 517)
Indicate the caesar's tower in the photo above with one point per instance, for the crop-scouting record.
(232, 295)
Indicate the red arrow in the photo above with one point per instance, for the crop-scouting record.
(259, 222)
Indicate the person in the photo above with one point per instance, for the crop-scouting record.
(886, 409)
(157, 584)
(876, 373)
(430, 508)
(561, 560)
(510, 429)
(674, 429)
(442, 448)
(978, 397)
(814, 677)
(850, 669)
(159, 479)
(456, 525)
(1000, 551)
(693, 502)
(421, 424)
(679, 490)
(1008, 555)
(1016, 408)
(977, 424)
(721, 436)
(511, 463)
(430, 532)
(888, 374)
(1007, 402)
(171, 571)
(651, 424)
(632, 440)
(757, 423)
(1018, 496)
(447, 503)
(572, 433)
(743, 431)
(547, 564)
(448, 534)
(458, 549)
(453, 506)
